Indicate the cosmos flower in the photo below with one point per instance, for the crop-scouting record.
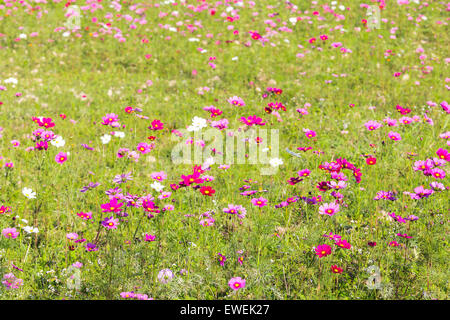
(10, 281)
(148, 237)
(236, 283)
(122, 178)
(207, 191)
(394, 136)
(61, 157)
(335, 269)
(105, 138)
(90, 186)
(159, 176)
(236, 101)
(30, 194)
(11, 233)
(329, 208)
(165, 275)
(323, 250)
(259, 202)
(157, 186)
(144, 147)
(221, 259)
(112, 206)
(372, 125)
(90, 247)
(110, 223)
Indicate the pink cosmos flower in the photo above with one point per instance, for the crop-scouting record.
(11, 233)
(11, 282)
(236, 283)
(372, 125)
(394, 136)
(144, 147)
(159, 176)
(236, 101)
(329, 208)
(110, 223)
(259, 202)
(61, 157)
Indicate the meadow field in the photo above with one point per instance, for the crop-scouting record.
(224, 150)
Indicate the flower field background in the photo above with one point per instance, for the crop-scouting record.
(93, 205)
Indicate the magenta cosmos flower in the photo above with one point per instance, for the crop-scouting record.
(259, 202)
(329, 208)
(112, 206)
(61, 157)
(148, 237)
(236, 283)
(323, 250)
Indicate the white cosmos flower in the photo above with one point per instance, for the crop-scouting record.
(105, 139)
(22, 36)
(208, 163)
(193, 39)
(11, 80)
(293, 20)
(119, 134)
(235, 58)
(58, 142)
(29, 229)
(30, 194)
(157, 186)
(275, 162)
(197, 124)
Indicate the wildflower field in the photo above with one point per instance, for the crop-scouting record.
(232, 149)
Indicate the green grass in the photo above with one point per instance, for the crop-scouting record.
(52, 76)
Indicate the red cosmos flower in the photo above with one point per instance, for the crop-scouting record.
(151, 138)
(371, 161)
(372, 243)
(63, 116)
(336, 269)
(207, 191)
(364, 21)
